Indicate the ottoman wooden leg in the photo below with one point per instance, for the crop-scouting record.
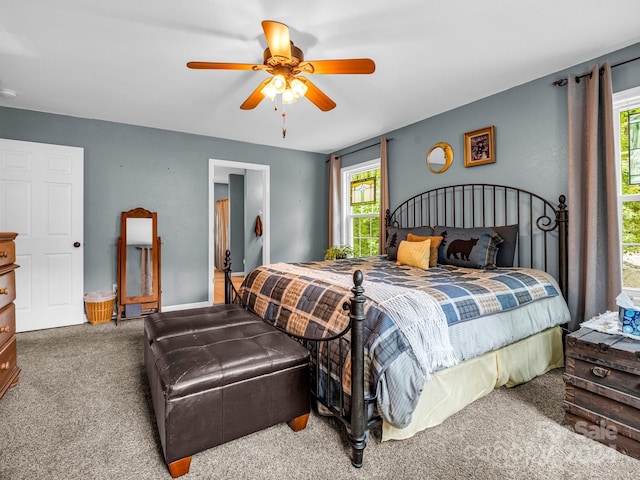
(298, 423)
(180, 467)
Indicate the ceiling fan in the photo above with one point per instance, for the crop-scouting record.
(285, 62)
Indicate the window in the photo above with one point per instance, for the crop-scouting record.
(626, 106)
(361, 221)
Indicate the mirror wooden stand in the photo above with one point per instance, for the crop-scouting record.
(139, 290)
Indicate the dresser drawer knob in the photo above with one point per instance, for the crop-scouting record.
(4, 328)
(601, 372)
(4, 291)
(4, 366)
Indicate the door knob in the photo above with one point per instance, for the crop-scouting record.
(76, 244)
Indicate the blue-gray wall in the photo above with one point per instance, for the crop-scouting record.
(530, 136)
(236, 222)
(253, 206)
(128, 166)
(167, 172)
(220, 191)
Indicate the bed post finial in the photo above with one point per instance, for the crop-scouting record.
(357, 435)
(228, 286)
(562, 220)
(387, 224)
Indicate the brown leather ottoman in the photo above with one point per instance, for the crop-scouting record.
(219, 373)
(171, 324)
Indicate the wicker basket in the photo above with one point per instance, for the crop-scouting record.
(99, 311)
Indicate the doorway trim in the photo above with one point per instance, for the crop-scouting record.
(266, 219)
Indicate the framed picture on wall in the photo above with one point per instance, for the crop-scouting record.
(479, 147)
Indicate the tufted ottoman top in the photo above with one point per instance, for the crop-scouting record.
(222, 352)
(170, 324)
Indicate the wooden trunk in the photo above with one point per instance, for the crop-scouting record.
(602, 377)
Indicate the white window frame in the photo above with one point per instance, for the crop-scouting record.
(624, 100)
(346, 232)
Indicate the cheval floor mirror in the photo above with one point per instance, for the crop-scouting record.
(138, 265)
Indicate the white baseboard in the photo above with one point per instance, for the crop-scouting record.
(184, 306)
(170, 308)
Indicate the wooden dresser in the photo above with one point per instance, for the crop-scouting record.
(602, 377)
(9, 370)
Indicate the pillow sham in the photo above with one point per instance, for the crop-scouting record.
(507, 249)
(396, 234)
(468, 247)
(435, 243)
(414, 254)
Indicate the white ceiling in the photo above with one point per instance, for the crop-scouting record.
(124, 60)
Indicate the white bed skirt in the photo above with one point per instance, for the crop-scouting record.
(450, 390)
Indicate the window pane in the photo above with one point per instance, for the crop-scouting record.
(356, 247)
(630, 150)
(631, 244)
(631, 267)
(364, 247)
(634, 167)
(630, 222)
(356, 227)
(630, 173)
(634, 129)
(365, 227)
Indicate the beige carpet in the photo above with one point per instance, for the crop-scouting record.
(82, 410)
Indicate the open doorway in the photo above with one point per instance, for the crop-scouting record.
(256, 199)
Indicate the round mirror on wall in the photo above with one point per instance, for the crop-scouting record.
(440, 157)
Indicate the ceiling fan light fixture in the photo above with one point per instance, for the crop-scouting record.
(279, 83)
(288, 96)
(269, 91)
(299, 88)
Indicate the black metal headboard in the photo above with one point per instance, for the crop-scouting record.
(542, 233)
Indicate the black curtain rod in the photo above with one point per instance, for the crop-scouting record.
(359, 149)
(563, 81)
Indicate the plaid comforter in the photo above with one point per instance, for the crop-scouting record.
(309, 306)
(463, 293)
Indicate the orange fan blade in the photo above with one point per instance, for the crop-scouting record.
(256, 97)
(224, 66)
(317, 96)
(353, 65)
(277, 35)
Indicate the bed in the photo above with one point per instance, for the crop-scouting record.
(468, 297)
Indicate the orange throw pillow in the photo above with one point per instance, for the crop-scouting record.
(414, 254)
(435, 243)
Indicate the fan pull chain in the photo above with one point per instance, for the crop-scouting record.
(284, 127)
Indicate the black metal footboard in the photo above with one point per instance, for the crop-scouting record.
(328, 356)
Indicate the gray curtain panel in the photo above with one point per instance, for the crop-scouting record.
(334, 200)
(384, 196)
(595, 271)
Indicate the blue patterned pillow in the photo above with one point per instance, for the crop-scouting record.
(507, 249)
(468, 247)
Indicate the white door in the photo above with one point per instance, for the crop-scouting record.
(41, 198)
